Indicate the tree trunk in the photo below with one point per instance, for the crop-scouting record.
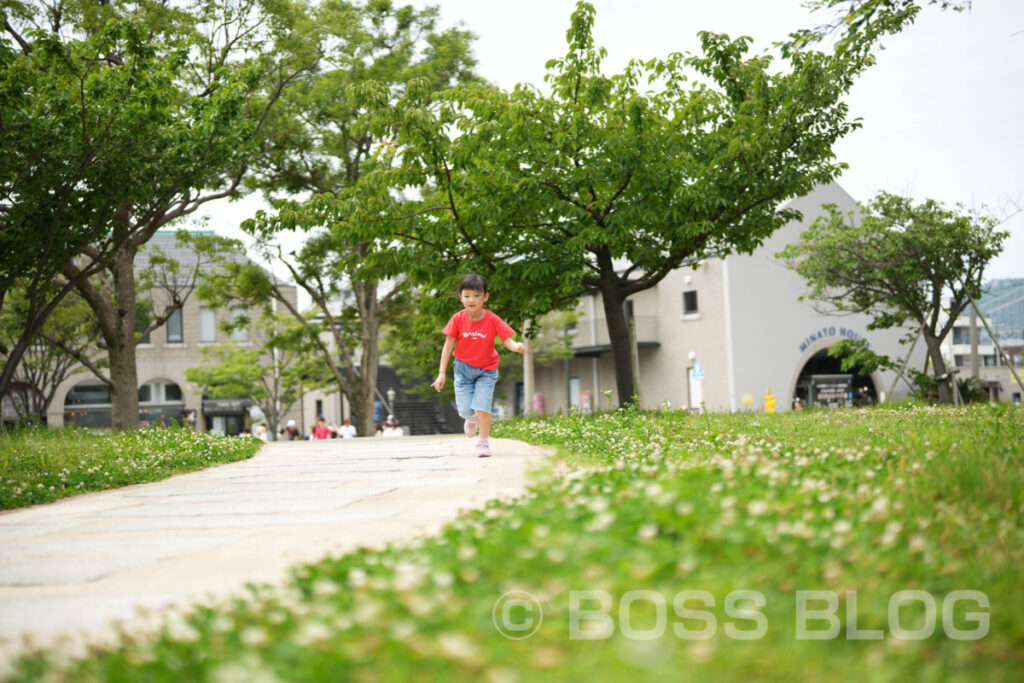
(618, 334)
(362, 410)
(124, 389)
(939, 368)
(124, 377)
(362, 406)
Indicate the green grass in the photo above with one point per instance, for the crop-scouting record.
(872, 501)
(43, 465)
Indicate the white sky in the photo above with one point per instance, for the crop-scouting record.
(942, 109)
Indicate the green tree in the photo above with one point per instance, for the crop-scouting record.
(273, 376)
(77, 115)
(319, 148)
(609, 183)
(51, 356)
(900, 262)
(226, 64)
(862, 22)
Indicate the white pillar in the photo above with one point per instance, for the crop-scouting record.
(528, 383)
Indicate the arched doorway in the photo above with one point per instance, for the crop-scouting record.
(87, 404)
(161, 402)
(822, 382)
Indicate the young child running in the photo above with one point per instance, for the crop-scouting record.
(471, 333)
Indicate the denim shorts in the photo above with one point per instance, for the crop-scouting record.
(474, 388)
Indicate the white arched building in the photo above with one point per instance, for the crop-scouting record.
(737, 321)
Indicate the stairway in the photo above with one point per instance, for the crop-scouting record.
(418, 416)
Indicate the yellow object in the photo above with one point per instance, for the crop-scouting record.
(769, 402)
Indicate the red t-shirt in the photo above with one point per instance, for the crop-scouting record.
(474, 339)
(322, 432)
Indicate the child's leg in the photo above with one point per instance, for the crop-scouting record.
(464, 385)
(484, 418)
(483, 398)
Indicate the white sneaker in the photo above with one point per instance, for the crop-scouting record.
(483, 449)
(470, 426)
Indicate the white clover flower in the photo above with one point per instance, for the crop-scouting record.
(917, 544)
(879, 509)
(311, 632)
(757, 508)
(556, 555)
(357, 577)
(254, 636)
(647, 531)
(600, 522)
(403, 629)
(684, 508)
(457, 646)
(179, 629)
(324, 587)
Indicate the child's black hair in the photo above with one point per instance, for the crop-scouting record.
(477, 283)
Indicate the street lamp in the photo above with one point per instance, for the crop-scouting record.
(391, 401)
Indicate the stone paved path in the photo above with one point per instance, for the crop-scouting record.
(73, 567)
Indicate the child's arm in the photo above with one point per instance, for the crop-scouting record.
(517, 347)
(446, 354)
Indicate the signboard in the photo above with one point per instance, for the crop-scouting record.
(698, 370)
(747, 399)
(833, 391)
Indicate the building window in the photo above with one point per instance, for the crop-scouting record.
(172, 393)
(960, 361)
(88, 395)
(207, 325)
(690, 303)
(88, 405)
(161, 402)
(961, 335)
(175, 333)
(319, 407)
(239, 334)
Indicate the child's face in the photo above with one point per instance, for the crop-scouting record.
(473, 299)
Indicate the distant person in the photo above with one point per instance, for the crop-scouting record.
(391, 430)
(470, 333)
(321, 431)
(291, 431)
(261, 433)
(347, 430)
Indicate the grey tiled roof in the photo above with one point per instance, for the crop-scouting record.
(167, 241)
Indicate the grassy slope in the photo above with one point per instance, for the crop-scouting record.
(43, 465)
(872, 501)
